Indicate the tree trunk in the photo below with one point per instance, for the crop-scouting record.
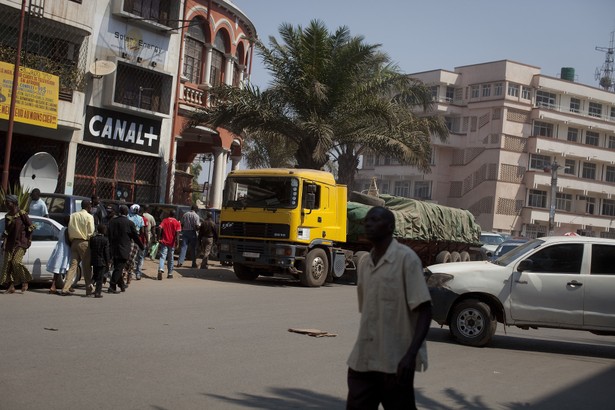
(348, 164)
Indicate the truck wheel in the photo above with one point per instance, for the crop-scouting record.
(443, 257)
(244, 273)
(316, 268)
(465, 256)
(472, 323)
(455, 257)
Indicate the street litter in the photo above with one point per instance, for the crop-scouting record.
(313, 332)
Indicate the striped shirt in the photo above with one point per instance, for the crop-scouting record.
(190, 221)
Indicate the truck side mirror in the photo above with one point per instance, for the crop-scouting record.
(310, 201)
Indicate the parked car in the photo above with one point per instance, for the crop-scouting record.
(558, 282)
(44, 239)
(490, 241)
(507, 246)
(60, 206)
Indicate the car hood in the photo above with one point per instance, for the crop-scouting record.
(474, 276)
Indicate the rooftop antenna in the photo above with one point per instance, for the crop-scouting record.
(604, 75)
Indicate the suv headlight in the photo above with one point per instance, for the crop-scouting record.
(438, 280)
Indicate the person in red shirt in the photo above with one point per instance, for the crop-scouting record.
(169, 240)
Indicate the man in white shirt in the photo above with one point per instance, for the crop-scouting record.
(37, 205)
(395, 308)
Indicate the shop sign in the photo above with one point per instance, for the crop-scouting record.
(118, 129)
(37, 96)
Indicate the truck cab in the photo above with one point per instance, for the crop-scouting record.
(283, 221)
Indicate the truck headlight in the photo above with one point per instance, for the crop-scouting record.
(438, 280)
(284, 251)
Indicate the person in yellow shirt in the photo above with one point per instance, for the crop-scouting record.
(80, 230)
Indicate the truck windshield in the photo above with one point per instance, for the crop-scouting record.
(261, 192)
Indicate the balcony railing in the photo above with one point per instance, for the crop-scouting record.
(193, 95)
(566, 109)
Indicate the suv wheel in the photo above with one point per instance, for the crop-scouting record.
(472, 323)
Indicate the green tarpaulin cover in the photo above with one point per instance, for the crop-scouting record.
(418, 220)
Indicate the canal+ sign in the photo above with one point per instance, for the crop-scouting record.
(121, 130)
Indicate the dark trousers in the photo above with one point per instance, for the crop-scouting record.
(97, 277)
(366, 390)
(117, 278)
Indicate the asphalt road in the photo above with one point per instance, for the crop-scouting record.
(205, 341)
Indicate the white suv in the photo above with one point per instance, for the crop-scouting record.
(559, 282)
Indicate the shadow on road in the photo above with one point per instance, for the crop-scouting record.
(505, 342)
(284, 399)
(591, 393)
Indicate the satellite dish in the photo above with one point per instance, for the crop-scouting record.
(101, 68)
(41, 171)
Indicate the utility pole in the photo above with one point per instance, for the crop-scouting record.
(553, 168)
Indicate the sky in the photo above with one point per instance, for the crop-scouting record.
(444, 34)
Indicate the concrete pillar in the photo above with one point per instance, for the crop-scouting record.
(207, 73)
(217, 184)
(235, 161)
(228, 69)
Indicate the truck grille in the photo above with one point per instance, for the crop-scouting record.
(255, 230)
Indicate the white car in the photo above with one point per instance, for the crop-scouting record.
(490, 241)
(44, 239)
(558, 282)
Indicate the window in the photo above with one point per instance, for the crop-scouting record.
(608, 207)
(538, 161)
(575, 105)
(450, 94)
(612, 113)
(611, 141)
(609, 175)
(458, 94)
(496, 114)
(369, 160)
(193, 46)
(592, 138)
(142, 88)
(595, 109)
(217, 68)
(564, 258)
(157, 10)
(474, 92)
(590, 205)
(537, 199)
(543, 129)
(402, 188)
(422, 189)
(486, 90)
(384, 188)
(526, 93)
(497, 88)
(563, 202)
(434, 92)
(570, 167)
(513, 90)
(573, 134)
(602, 260)
(589, 170)
(545, 99)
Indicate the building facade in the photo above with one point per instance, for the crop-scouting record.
(126, 80)
(527, 153)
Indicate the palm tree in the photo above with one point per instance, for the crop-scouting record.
(331, 97)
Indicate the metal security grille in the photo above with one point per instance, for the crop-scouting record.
(117, 175)
(47, 46)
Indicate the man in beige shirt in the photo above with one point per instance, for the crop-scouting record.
(80, 229)
(395, 311)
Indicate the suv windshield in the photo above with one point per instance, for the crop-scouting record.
(261, 192)
(518, 251)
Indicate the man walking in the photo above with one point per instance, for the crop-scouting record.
(169, 240)
(150, 229)
(190, 226)
(395, 311)
(122, 233)
(136, 262)
(80, 230)
(208, 234)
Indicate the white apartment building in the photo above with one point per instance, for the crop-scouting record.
(510, 126)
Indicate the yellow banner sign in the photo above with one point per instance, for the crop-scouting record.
(37, 96)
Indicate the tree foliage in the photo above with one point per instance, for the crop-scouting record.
(332, 96)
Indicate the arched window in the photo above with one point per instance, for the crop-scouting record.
(218, 59)
(193, 52)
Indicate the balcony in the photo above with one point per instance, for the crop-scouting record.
(573, 221)
(537, 179)
(551, 146)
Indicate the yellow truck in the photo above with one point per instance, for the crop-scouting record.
(298, 222)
